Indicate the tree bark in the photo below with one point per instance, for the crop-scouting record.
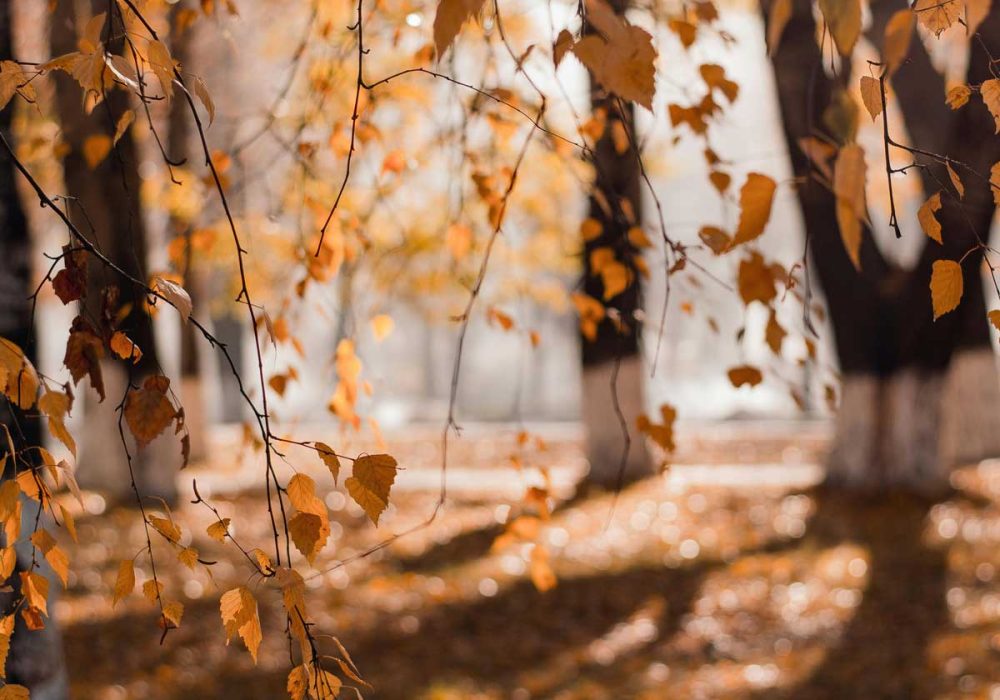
(105, 202)
(612, 366)
(915, 393)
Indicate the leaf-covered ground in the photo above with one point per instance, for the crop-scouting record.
(728, 577)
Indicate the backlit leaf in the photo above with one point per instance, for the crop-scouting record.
(946, 286)
(371, 480)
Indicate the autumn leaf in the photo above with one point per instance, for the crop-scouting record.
(124, 347)
(956, 181)
(84, 352)
(975, 12)
(35, 588)
(175, 294)
(238, 608)
(330, 459)
(6, 632)
(451, 15)
(124, 122)
(18, 379)
(95, 149)
(148, 411)
(990, 90)
(620, 56)
(53, 554)
(125, 582)
(756, 197)
(745, 374)
(201, 90)
(925, 215)
(13, 691)
(896, 45)
(163, 66)
(849, 187)
(562, 44)
(843, 17)
(218, 530)
(871, 95)
(946, 286)
(958, 96)
(371, 480)
(661, 433)
(937, 15)
(309, 533)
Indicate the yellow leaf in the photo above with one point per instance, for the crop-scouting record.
(13, 691)
(756, 197)
(217, 530)
(55, 405)
(148, 411)
(18, 380)
(125, 348)
(382, 326)
(54, 555)
(309, 532)
(448, 21)
(843, 17)
(330, 459)
(745, 374)
(994, 317)
(871, 95)
(239, 617)
(35, 589)
(188, 556)
(95, 149)
(201, 90)
(175, 294)
(621, 57)
(937, 15)
(956, 181)
(165, 527)
(373, 476)
(124, 122)
(946, 286)
(660, 433)
(958, 96)
(975, 12)
(152, 590)
(173, 611)
(302, 493)
(8, 558)
(162, 65)
(6, 632)
(925, 215)
(898, 32)
(849, 187)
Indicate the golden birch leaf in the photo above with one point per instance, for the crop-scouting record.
(843, 17)
(958, 96)
(990, 90)
(373, 476)
(165, 527)
(849, 187)
(925, 215)
(124, 122)
(13, 691)
(176, 295)
(975, 12)
(745, 374)
(95, 149)
(218, 530)
(8, 558)
(148, 410)
(330, 459)
(6, 632)
(162, 65)
(956, 181)
(54, 555)
(309, 532)
(18, 379)
(946, 287)
(201, 90)
(898, 32)
(871, 95)
(35, 589)
(239, 617)
(302, 492)
(994, 317)
(756, 198)
(448, 21)
(937, 15)
(124, 347)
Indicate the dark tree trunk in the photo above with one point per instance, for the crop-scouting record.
(909, 383)
(36, 658)
(612, 366)
(105, 203)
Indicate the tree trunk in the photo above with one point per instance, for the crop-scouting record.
(36, 657)
(915, 393)
(612, 366)
(106, 204)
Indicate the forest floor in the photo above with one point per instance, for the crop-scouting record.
(729, 576)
